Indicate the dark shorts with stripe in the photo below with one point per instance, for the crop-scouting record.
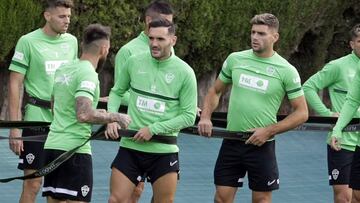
(355, 170)
(136, 164)
(33, 155)
(339, 166)
(236, 158)
(72, 180)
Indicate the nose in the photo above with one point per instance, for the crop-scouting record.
(67, 20)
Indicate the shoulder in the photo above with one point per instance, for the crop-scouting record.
(340, 61)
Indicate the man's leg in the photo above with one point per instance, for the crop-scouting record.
(52, 200)
(355, 196)
(137, 192)
(261, 197)
(164, 188)
(121, 188)
(31, 188)
(225, 194)
(342, 193)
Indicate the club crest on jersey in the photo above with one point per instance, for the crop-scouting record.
(30, 158)
(270, 70)
(85, 190)
(63, 79)
(169, 77)
(253, 82)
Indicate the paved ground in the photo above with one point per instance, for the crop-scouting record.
(301, 158)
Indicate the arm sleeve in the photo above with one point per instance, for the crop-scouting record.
(21, 58)
(225, 74)
(350, 107)
(87, 84)
(188, 105)
(292, 83)
(322, 79)
(120, 88)
(120, 60)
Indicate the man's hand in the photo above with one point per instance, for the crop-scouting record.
(15, 145)
(143, 134)
(259, 137)
(335, 143)
(112, 130)
(123, 119)
(205, 127)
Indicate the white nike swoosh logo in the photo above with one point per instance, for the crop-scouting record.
(173, 163)
(270, 183)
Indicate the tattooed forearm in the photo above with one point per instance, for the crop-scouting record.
(86, 114)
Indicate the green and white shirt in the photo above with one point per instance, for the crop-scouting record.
(337, 76)
(163, 97)
(37, 56)
(258, 88)
(73, 80)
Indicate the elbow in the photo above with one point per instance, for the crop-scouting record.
(83, 117)
(304, 116)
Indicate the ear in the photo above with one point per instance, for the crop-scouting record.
(352, 44)
(47, 15)
(276, 36)
(173, 40)
(148, 20)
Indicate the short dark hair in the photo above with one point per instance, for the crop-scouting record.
(58, 3)
(266, 19)
(95, 32)
(354, 32)
(158, 7)
(161, 22)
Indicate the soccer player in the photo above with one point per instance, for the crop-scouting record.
(75, 95)
(260, 78)
(162, 104)
(337, 76)
(37, 56)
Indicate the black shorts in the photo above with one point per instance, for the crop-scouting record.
(33, 155)
(355, 170)
(339, 166)
(72, 180)
(135, 164)
(236, 158)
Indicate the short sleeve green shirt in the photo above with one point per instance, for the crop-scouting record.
(37, 56)
(258, 88)
(71, 81)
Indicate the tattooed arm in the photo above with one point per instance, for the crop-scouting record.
(86, 114)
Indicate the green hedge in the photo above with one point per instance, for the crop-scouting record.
(207, 30)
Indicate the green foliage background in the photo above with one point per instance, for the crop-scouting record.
(311, 31)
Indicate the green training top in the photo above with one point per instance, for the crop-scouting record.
(258, 88)
(163, 96)
(136, 46)
(337, 76)
(37, 56)
(71, 81)
(349, 109)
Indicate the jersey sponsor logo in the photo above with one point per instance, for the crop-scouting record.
(63, 79)
(30, 158)
(88, 85)
(85, 190)
(18, 55)
(150, 105)
(169, 77)
(297, 80)
(52, 66)
(253, 82)
(335, 174)
(173, 163)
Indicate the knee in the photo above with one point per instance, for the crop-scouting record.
(113, 199)
(32, 185)
(355, 197)
(343, 198)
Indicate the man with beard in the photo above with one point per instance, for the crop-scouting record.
(75, 97)
(337, 76)
(37, 55)
(260, 78)
(161, 105)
